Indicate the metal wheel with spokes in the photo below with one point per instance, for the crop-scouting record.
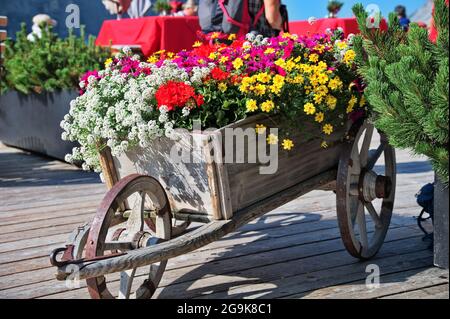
(365, 192)
(111, 233)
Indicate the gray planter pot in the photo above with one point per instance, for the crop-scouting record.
(32, 122)
(441, 225)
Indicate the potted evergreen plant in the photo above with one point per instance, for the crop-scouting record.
(407, 78)
(41, 78)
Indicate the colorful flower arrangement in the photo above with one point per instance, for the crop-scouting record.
(220, 81)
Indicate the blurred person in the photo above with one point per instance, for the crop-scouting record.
(264, 17)
(402, 17)
(271, 23)
(40, 21)
(190, 9)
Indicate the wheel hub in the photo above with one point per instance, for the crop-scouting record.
(373, 186)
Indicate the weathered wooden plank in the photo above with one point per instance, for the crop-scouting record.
(389, 285)
(39, 232)
(309, 280)
(20, 266)
(29, 253)
(436, 292)
(38, 222)
(248, 186)
(54, 195)
(70, 203)
(31, 243)
(185, 181)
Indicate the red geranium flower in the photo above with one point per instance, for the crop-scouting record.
(177, 94)
(219, 75)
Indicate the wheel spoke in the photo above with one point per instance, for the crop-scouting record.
(373, 213)
(356, 163)
(375, 156)
(126, 281)
(135, 222)
(361, 221)
(353, 203)
(163, 227)
(364, 153)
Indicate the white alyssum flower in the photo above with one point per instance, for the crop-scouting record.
(119, 110)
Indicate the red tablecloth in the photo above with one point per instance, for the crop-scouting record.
(177, 33)
(349, 25)
(151, 33)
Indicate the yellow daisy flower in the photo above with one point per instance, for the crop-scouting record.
(267, 106)
(263, 77)
(223, 87)
(288, 144)
(314, 58)
(320, 117)
(328, 129)
(363, 101)
(238, 63)
(331, 102)
(349, 56)
(310, 109)
(108, 62)
(152, 59)
(252, 106)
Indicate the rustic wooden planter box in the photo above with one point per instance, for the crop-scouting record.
(32, 122)
(217, 190)
(441, 225)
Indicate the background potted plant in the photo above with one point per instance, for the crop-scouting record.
(40, 80)
(333, 8)
(407, 78)
(162, 7)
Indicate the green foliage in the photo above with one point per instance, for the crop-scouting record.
(49, 63)
(334, 6)
(161, 5)
(407, 79)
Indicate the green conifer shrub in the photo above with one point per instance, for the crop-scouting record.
(49, 63)
(407, 78)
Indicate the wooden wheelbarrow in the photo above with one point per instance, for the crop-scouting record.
(145, 217)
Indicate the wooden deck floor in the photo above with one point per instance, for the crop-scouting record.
(293, 252)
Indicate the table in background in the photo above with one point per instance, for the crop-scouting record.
(174, 34)
(150, 33)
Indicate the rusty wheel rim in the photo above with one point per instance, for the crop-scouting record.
(364, 196)
(103, 237)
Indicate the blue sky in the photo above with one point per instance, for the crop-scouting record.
(303, 9)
